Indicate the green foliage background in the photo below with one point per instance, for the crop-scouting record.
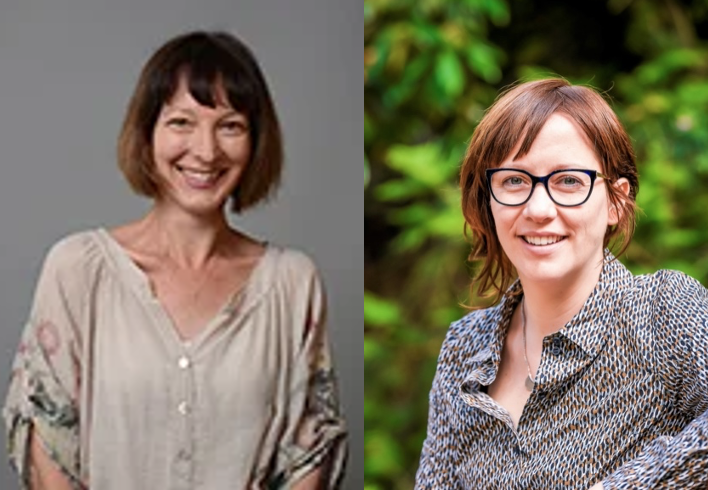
(431, 67)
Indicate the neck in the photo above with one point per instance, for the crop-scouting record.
(187, 240)
(549, 308)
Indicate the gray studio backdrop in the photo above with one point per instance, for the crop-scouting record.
(67, 68)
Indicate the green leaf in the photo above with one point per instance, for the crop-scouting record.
(448, 223)
(483, 60)
(399, 190)
(408, 240)
(372, 350)
(498, 11)
(679, 238)
(413, 214)
(449, 74)
(382, 47)
(424, 163)
(693, 93)
(402, 91)
(659, 70)
(369, 131)
(380, 312)
(382, 454)
(426, 33)
(368, 11)
(656, 102)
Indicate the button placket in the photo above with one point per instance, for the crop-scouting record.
(183, 456)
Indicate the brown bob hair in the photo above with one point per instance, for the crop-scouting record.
(516, 116)
(210, 62)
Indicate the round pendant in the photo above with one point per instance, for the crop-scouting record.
(529, 383)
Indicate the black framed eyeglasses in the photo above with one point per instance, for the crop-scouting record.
(566, 187)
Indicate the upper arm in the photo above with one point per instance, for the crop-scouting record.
(42, 399)
(312, 450)
(681, 350)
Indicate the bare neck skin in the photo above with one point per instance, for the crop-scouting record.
(188, 241)
(549, 306)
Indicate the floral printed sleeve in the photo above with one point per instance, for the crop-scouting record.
(315, 437)
(44, 384)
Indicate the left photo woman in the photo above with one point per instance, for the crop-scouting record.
(176, 351)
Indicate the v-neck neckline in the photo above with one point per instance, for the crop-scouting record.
(141, 283)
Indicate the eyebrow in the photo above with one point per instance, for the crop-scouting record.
(559, 166)
(169, 108)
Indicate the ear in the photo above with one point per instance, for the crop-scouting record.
(614, 215)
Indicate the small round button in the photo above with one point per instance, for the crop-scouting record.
(183, 408)
(183, 362)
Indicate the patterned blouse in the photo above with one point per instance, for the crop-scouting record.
(621, 395)
(119, 401)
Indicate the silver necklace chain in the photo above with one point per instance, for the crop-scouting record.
(529, 382)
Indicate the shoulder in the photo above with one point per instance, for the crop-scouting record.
(67, 276)
(470, 338)
(678, 320)
(293, 265)
(673, 307)
(289, 275)
(71, 249)
(479, 325)
(678, 285)
(73, 257)
(681, 301)
(673, 292)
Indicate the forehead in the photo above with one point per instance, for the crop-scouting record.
(559, 143)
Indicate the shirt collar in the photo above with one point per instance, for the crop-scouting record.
(588, 327)
(601, 310)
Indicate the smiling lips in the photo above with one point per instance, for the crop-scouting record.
(542, 240)
(200, 178)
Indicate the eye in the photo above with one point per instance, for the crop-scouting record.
(234, 127)
(514, 181)
(178, 122)
(569, 180)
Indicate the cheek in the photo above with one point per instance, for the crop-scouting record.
(504, 216)
(496, 212)
(166, 147)
(238, 151)
(503, 219)
(595, 222)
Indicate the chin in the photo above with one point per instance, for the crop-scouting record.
(201, 205)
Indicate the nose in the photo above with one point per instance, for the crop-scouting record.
(205, 145)
(540, 207)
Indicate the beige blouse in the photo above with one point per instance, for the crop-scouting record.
(120, 402)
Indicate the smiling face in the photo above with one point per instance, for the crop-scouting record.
(546, 243)
(199, 152)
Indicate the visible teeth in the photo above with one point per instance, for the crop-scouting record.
(203, 177)
(542, 240)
